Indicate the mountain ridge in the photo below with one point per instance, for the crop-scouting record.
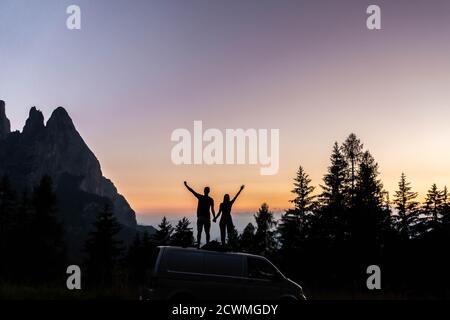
(56, 148)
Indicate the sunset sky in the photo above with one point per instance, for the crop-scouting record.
(137, 70)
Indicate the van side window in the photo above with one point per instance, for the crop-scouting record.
(220, 264)
(185, 261)
(260, 268)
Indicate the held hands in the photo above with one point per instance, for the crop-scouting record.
(242, 187)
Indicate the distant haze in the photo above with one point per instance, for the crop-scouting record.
(240, 221)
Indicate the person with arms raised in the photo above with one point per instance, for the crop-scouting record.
(205, 207)
(226, 222)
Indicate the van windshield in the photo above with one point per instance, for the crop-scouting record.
(149, 271)
(258, 268)
(154, 257)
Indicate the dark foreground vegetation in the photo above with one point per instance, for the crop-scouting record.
(325, 242)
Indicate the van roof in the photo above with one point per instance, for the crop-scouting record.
(206, 251)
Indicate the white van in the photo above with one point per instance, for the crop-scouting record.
(195, 274)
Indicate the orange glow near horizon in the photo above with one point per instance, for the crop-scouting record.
(172, 198)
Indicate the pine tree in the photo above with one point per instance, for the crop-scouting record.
(247, 238)
(291, 231)
(163, 234)
(304, 201)
(406, 207)
(352, 149)
(7, 206)
(148, 251)
(22, 242)
(183, 235)
(139, 258)
(46, 234)
(264, 236)
(8, 228)
(334, 188)
(387, 201)
(103, 249)
(433, 203)
(147, 244)
(369, 188)
(445, 206)
(369, 220)
(294, 223)
(233, 240)
(331, 220)
(134, 260)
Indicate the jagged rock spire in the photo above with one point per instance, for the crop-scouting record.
(5, 125)
(34, 123)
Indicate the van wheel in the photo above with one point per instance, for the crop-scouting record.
(181, 297)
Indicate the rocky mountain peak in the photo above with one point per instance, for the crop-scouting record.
(34, 123)
(60, 120)
(58, 150)
(5, 125)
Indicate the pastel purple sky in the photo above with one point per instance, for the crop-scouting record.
(140, 69)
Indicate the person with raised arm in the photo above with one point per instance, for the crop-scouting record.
(226, 222)
(205, 207)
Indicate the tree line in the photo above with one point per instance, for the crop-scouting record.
(328, 238)
(34, 250)
(325, 241)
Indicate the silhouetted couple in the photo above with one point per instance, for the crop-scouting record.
(204, 209)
